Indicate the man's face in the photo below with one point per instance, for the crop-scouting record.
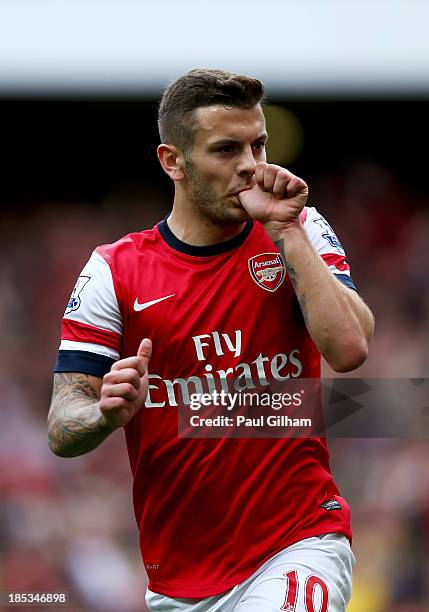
(228, 143)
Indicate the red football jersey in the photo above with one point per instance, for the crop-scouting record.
(209, 511)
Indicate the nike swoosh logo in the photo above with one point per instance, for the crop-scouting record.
(138, 307)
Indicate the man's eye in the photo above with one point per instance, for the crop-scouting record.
(259, 146)
(227, 149)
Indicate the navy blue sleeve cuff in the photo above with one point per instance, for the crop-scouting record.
(84, 362)
(346, 280)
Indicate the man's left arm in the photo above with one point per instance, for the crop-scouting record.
(339, 322)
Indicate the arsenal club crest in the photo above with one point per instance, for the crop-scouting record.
(267, 270)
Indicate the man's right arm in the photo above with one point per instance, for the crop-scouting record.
(85, 409)
(76, 424)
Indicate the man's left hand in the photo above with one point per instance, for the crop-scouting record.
(277, 198)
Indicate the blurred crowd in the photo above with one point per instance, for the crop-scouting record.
(67, 525)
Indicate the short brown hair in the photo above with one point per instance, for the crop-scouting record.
(201, 87)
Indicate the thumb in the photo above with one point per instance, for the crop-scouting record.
(145, 351)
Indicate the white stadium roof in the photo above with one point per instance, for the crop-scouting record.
(304, 47)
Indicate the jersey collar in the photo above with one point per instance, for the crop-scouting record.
(203, 251)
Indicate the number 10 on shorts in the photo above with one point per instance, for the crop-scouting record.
(312, 585)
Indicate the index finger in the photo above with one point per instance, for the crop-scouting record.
(135, 362)
(259, 174)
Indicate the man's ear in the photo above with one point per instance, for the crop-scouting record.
(172, 161)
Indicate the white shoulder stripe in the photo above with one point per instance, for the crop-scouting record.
(335, 270)
(93, 300)
(321, 234)
(71, 345)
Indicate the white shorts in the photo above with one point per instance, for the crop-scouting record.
(313, 575)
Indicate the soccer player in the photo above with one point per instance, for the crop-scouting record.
(242, 282)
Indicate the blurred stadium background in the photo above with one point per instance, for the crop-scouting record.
(79, 83)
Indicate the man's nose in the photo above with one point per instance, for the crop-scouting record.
(246, 163)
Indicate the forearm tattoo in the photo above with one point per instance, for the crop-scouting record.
(294, 280)
(74, 420)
